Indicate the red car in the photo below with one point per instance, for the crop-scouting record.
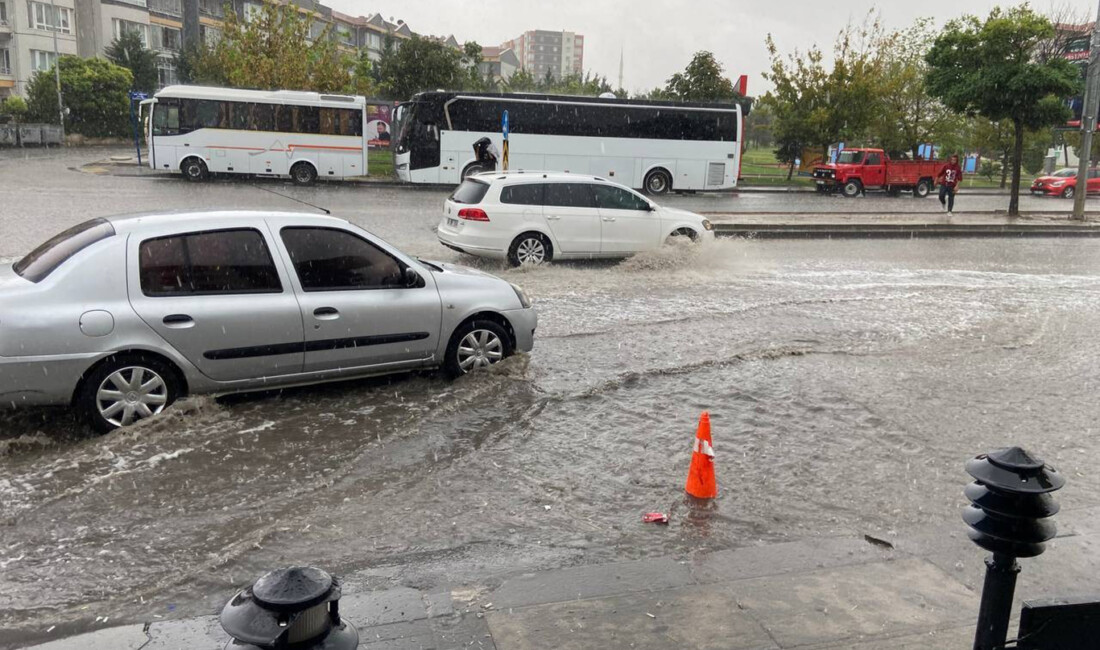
(1063, 183)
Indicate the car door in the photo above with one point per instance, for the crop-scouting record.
(523, 202)
(629, 224)
(1094, 181)
(220, 300)
(874, 172)
(571, 214)
(357, 308)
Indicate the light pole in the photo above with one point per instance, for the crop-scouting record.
(57, 69)
(1088, 120)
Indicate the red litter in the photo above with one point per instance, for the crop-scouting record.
(655, 518)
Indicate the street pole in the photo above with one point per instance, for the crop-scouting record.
(1088, 120)
(57, 70)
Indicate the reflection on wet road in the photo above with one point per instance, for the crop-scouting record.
(847, 381)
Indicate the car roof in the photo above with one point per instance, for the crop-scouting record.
(138, 221)
(531, 176)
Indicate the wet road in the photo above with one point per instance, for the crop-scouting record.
(847, 382)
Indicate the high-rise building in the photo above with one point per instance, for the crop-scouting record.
(27, 43)
(544, 53)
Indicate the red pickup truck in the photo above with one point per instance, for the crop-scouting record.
(857, 170)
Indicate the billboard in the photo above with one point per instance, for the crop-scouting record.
(1077, 52)
(379, 123)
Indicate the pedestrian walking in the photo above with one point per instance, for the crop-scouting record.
(949, 178)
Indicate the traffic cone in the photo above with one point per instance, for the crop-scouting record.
(701, 483)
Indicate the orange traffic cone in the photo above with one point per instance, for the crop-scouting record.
(701, 482)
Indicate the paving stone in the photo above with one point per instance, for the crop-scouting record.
(128, 637)
(383, 607)
(591, 582)
(777, 559)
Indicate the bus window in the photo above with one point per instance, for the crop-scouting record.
(166, 119)
(309, 120)
(263, 117)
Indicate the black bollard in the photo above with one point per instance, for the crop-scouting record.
(1008, 516)
(296, 608)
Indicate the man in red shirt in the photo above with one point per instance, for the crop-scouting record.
(949, 178)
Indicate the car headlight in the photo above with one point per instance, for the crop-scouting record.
(707, 225)
(402, 166)
(1058, 183)
(523, 300)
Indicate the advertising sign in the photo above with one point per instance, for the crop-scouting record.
(379, 121)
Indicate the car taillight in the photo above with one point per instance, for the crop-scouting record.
(473, 214)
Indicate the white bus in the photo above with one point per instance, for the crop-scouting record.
(198, 131)
(648, 145)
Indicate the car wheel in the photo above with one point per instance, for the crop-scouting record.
(126, 389)
(657, 182)
(194, 170)
(530, 248)
(684, 232)
(303, 173)
(476, 344)
(852, 188)
(1068, 193)
(921, 190)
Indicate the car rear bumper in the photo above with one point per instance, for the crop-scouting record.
(524, 322)
(40, 381)
(471, 245)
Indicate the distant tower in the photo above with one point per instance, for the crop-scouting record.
(620, 67)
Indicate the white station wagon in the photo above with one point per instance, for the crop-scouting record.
(534, 217)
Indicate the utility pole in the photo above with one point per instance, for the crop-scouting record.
(57, 69)
(1088, 120)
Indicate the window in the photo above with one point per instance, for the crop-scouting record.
(470, 191)
(529, 194)
(616, 198)
(44, 17)
(3, 13)
(327, 259)
(125, 27)
(570, 195)
(341, 121)
(205, 263)
(43, 260)
(43, 60)
(873, 159)
(166, 38)
(166, 118)
(5, 61)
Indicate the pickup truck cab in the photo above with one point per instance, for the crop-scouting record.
(858, 170)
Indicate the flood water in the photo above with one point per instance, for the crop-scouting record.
(847, 382)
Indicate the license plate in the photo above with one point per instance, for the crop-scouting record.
(452, 222)
(821, 182)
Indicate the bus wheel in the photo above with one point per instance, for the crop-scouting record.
(657, 182)
(474, 168)
(303, 173)
(194, 170)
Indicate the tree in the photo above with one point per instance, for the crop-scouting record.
(758, 126)
(273, 49)
(419, 64)
(472, 59)
(363, 76)
(14, 107)
(129, 52)
(701, 81)
(96, 92)
(989, 69)
(521, 81)
(797, 102)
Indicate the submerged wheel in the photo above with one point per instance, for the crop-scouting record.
(657, 182)
(126, 389)
(922, 189)
(683, 232)
(530, 248)
(303, 173)
(476, 344)
(194, 170)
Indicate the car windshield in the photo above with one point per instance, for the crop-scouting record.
(1065, 173)
(850, 158)
(42, 261)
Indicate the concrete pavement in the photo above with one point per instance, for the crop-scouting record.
(915, 590)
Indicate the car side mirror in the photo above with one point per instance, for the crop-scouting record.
(652, 207)
(412, 278)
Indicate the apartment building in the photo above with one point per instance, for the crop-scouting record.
(27, 31)
(543, 53)
(498, 64)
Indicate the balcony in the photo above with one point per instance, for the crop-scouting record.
(172, 8)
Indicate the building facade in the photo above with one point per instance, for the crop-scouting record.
(27, 40)
(545, 53)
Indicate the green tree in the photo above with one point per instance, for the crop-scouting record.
(521, 81)
(272, 50)
(472, 59)
(758, 126)
(797, 102)
(990, 69)
(129, 52)
(701, 81)
(95, 92)
(14, 107)
(419, 64)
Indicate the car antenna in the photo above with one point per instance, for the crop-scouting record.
(285, 196)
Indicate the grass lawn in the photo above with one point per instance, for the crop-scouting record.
(380, 163)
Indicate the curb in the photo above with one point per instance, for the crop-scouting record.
(900, 231)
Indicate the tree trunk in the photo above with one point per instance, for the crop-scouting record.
(1017, 160)
(1004, 169)
(790, 169)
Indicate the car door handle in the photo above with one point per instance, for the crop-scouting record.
(326, 313)
(609, 218)
(178, 321)
(551, 217)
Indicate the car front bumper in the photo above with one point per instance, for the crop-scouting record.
(524, 322)
(41, 381)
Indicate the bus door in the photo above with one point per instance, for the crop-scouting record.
(145, 117)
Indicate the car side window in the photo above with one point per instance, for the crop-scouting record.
(526, 194)
(874, 159)
(207, 263)
(616, 198)
(329, 259)
(570, 195)
(1094, 173)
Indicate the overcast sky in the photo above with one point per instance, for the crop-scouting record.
(658, 37)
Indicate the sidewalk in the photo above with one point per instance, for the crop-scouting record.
(909, 592)
(901, 224)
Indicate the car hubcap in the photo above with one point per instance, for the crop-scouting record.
(531, 251)
(130, 394)
(479, 349)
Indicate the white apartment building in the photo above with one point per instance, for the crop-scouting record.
(543, 53)
(27, 30)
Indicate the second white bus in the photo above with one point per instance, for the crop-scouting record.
(653, 146)
(199, 130)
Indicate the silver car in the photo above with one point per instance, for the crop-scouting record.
(120, 316)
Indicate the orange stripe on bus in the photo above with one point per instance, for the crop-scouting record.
(317, 146)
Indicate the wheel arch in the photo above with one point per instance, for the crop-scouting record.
(295, 161)
(660, 166)
(489, 315)
(132, 352)
(188, 156)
